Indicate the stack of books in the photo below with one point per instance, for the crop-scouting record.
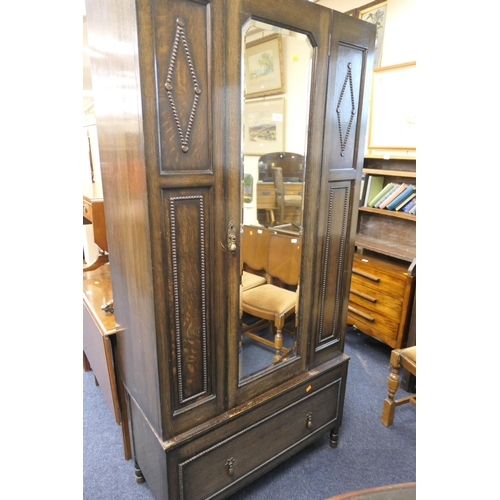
(398, 197)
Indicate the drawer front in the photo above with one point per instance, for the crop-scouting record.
(387, 304)
(293, 188)
(87, 210)
(379, 280)
(377, 325)
(265, 196)
(214, 470)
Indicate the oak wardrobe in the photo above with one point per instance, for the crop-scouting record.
(187, 95)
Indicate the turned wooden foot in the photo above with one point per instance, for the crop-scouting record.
(334, 437)
(139, 478)
(278, 344)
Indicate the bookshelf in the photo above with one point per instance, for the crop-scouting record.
(382, 291)
(388, 232)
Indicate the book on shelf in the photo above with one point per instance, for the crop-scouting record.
(405, 202)
(362, 191)
(413, 210)
(386, 195)
(409, 205)
(401, 197)
(392, 195)
(374, 184)
(381, 194)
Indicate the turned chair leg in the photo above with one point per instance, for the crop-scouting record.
(278, 344)
(392, 386)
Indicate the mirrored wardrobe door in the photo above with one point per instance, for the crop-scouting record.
(276, 94)
(282, 70)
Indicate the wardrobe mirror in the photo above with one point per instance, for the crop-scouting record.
(276, 75)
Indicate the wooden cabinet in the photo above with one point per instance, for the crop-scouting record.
(266, 203)
(168, 103)
(383, 279)
(379, 298)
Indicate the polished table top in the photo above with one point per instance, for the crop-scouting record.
(97, 292)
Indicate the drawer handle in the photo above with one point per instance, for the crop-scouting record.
(230, 466)
(366, 275)
(359, 313)
(363, 295)
(309, 420)
(265, 193)
(85, 209)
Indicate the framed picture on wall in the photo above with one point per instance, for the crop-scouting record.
(263, 126)
(264, 72)
(375, 13)
(393, 113)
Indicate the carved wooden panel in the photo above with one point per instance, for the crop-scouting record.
(333, 265)
(183, 88)
(345, 107)
(186, 242)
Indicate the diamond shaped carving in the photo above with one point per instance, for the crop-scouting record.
(181, 40)
(345, 137)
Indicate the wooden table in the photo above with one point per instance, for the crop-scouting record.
(99, 331)
(93, 213)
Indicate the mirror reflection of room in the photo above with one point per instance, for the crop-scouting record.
(276, 74)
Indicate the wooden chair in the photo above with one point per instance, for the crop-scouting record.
(284, 200)
(406, 358)
(277, 300)
(253, 261)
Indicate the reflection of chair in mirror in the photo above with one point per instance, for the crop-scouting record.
(277, 300)
(254, 250)
(284, 200)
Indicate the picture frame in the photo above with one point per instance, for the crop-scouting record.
(264, 126)
(393, 108)
(264, 70)
(375, 13)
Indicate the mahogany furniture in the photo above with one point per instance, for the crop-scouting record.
(168, 104)
(380, 299)
(93, 213)
(406, 358)
(99, 330)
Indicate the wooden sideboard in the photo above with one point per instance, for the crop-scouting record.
(266, 204)
(99, 331)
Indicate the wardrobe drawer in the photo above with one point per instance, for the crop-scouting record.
(257, 444)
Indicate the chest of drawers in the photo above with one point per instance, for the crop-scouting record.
(379, 300)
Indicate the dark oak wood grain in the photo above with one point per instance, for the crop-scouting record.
(168, 112)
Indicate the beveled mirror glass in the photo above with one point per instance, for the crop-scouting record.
(276, 75)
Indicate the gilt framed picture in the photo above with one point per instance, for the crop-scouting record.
(263, 126)
(375, 13)
(264, 72)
